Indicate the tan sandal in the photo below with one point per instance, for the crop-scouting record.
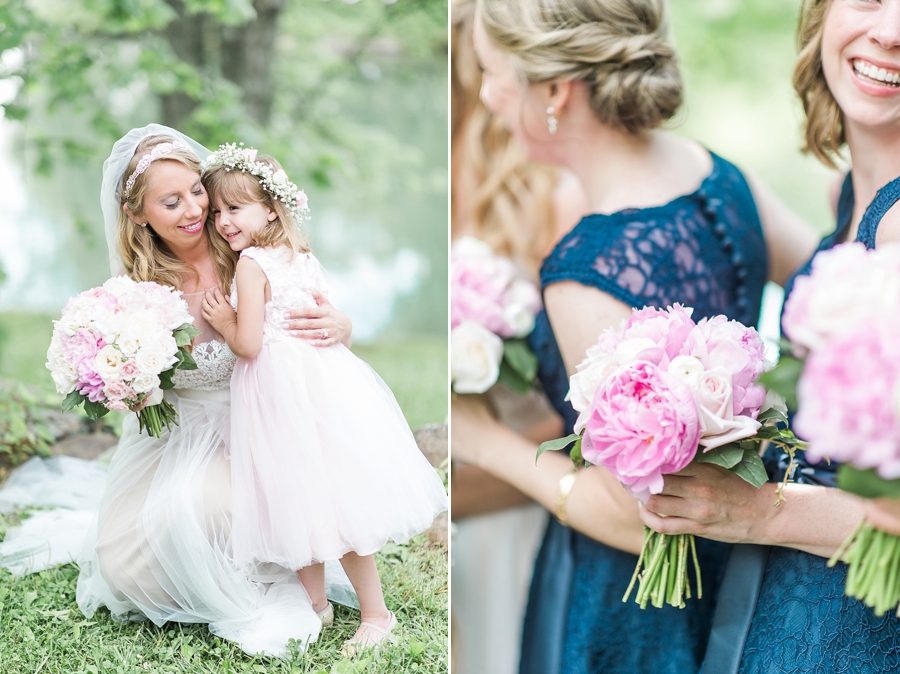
(326, 615)
(372, 636)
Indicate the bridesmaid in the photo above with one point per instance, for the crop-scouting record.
(846, 76)
(586, 84)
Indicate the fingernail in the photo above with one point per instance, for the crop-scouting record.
(294, 333)
(286, 316)
(285, 325)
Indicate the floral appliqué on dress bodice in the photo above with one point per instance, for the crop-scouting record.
(292, 277)
(215, 361)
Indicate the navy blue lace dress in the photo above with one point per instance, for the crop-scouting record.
(704, 250)
(803, 623)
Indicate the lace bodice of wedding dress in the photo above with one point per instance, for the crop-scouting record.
(215, 361)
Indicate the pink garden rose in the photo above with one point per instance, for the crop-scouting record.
(849, 398)
(642, 425)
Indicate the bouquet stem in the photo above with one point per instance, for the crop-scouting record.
(153, 418)
(873, 567)
(661, 570)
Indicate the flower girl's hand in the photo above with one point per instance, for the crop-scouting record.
(217, 310)
(323, 324)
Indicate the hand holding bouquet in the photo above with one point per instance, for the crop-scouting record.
(843, 322)
(491, 313)
(661, 392)
(118, 346)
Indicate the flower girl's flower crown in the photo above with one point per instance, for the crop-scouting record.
(276, 183)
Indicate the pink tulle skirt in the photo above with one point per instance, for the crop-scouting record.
(322, 459)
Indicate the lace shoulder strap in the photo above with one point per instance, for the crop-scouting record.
(884, 200)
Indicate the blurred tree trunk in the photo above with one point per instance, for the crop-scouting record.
(243, 54)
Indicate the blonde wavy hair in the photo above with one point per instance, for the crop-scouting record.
(231, 187)
(824, 128)
(145, 255)
(619, 48)
(510, 203)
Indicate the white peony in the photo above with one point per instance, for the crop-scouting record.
(475, 355)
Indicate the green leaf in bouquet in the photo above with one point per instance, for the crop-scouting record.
(726, 456)
(772, 414)
(751, 468)
(94, 410)
(165, 379)
(512, 379)
(782, 379)
(185, 334)
(558, 444)
(576, 455)
(521, 358)
(866, 483)
(73, 400)
(185, 360)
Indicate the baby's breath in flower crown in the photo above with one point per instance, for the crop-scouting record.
(276, 183)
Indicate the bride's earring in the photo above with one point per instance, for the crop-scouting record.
(552, 122)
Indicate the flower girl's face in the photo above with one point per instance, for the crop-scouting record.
(237, 223)
(175, 204)
(504, 94)
(861, 62)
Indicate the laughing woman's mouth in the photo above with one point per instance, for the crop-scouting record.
(193, 227)
(872, 73)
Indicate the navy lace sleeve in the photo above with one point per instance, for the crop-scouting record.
(704, 250)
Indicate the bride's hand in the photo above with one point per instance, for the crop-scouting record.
(323, 324)
(709, 501)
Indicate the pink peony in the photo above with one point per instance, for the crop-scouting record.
(671, 329)
(643, 424)
(849, 398)
(738, 350)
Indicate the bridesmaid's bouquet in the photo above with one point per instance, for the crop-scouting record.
(491, 313)
(118, 346)
(659, 393)
(843, 323)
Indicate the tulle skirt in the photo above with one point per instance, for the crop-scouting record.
(160, 546)
(323, 461)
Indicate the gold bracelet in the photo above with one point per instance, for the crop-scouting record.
(566, 482)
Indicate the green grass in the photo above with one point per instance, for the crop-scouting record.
(414, 367)
(42, 630)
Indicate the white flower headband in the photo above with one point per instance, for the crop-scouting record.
(159, 151)
(276, 183)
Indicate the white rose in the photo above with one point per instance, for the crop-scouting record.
(688, 369)
(108, 363)
(150, 361)
(128, 343)
(279, 177)
(248, 154)
(715, 411)
(145, 382)
(520, 319)
(155, 398)
(65, 380)
(469, 246)
(475, 355)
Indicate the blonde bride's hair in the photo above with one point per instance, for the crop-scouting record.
(510, 205)
(619, 48)
(145, 255)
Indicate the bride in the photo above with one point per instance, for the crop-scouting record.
(160, 546)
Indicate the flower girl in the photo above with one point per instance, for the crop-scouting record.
(324, 465)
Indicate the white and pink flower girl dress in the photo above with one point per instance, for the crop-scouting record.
(323, 461)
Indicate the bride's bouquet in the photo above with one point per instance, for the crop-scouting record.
(843, 322)
(659, 393)
(118, 346)
(491, 313)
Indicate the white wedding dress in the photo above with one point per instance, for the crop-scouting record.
(160, 546)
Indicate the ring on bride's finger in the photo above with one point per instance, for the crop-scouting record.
(324, 334)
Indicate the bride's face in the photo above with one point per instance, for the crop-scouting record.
(175, 204)
(861, 62)
(516, 104)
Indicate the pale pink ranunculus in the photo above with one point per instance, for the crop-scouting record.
(642, 425)
(848, 397)
(739, 350)
(302, 200)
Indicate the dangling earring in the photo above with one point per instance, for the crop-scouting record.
(552, 122)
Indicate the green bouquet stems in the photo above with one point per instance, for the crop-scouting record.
(153, 418)
(873, 568)
(661, 571)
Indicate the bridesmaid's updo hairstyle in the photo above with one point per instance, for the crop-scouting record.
(824, 119)
(619, 48)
